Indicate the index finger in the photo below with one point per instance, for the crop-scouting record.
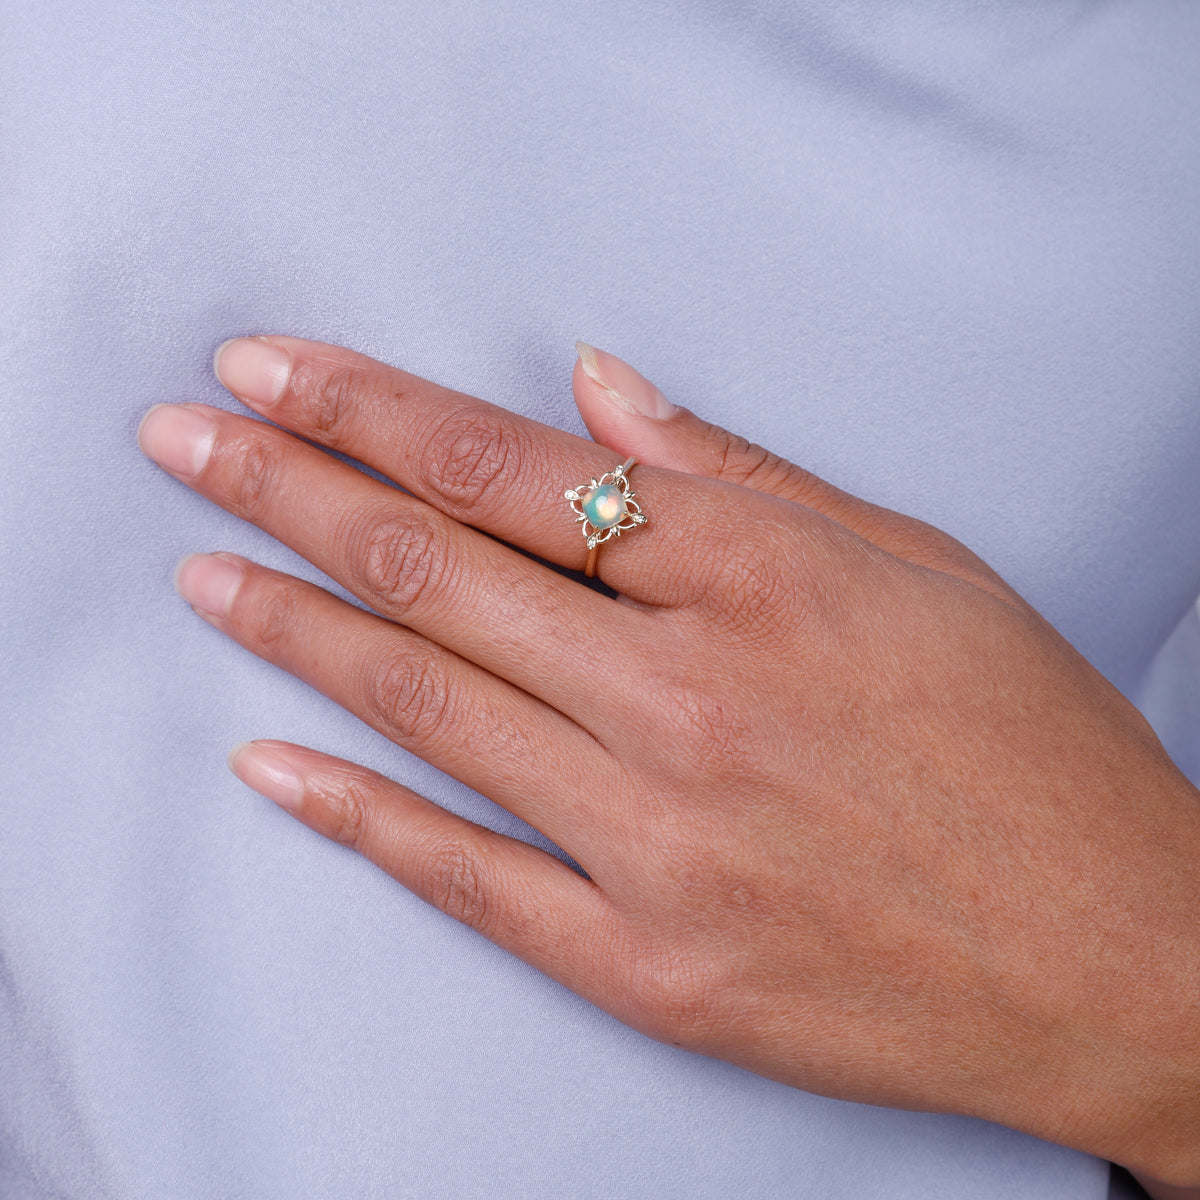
(478, 463)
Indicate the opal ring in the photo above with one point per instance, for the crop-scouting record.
(607, 508)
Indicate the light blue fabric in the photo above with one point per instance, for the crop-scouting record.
(946, 255)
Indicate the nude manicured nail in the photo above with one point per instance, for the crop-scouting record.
(208, 583)
(253, 370)
(268, 772)
(622, 385)
(179, 439)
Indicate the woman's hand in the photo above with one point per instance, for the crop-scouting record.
(853, 815)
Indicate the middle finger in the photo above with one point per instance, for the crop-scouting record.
(481, 464)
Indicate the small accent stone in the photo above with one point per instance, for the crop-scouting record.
(604, 506)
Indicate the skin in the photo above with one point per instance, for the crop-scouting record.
(863, 822)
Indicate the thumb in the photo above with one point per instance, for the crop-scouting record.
(625, 412)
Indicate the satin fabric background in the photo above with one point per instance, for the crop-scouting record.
(946, 256)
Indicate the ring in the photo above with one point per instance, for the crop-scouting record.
(607, 508)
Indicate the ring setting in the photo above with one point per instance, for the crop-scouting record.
(607, 508)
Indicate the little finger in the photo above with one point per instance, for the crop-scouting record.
(495, 738)
(518, 896)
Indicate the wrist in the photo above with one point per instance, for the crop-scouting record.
(1131, 1033)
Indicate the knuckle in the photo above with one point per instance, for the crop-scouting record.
(349, 815)
(454, 882)
(756, 584)
(273, 621)
(676, 998)
(750, 465)
(734, 454)
(328, 395)
(403, 559)
(410, 698)
(253, 467)
(927, 546)
(727, 450)
(472, 457)
(718, 735)
(747, 463)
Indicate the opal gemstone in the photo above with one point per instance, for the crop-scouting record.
(604, 506)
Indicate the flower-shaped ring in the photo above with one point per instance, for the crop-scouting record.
(607, 508)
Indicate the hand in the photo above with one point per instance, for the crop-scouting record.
(853, 815)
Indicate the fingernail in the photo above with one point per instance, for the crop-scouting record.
(622, 384)
(253, 370)
(268, 773)
(208, 583)
(178, 439)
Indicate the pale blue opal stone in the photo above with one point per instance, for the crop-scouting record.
(604, 506)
